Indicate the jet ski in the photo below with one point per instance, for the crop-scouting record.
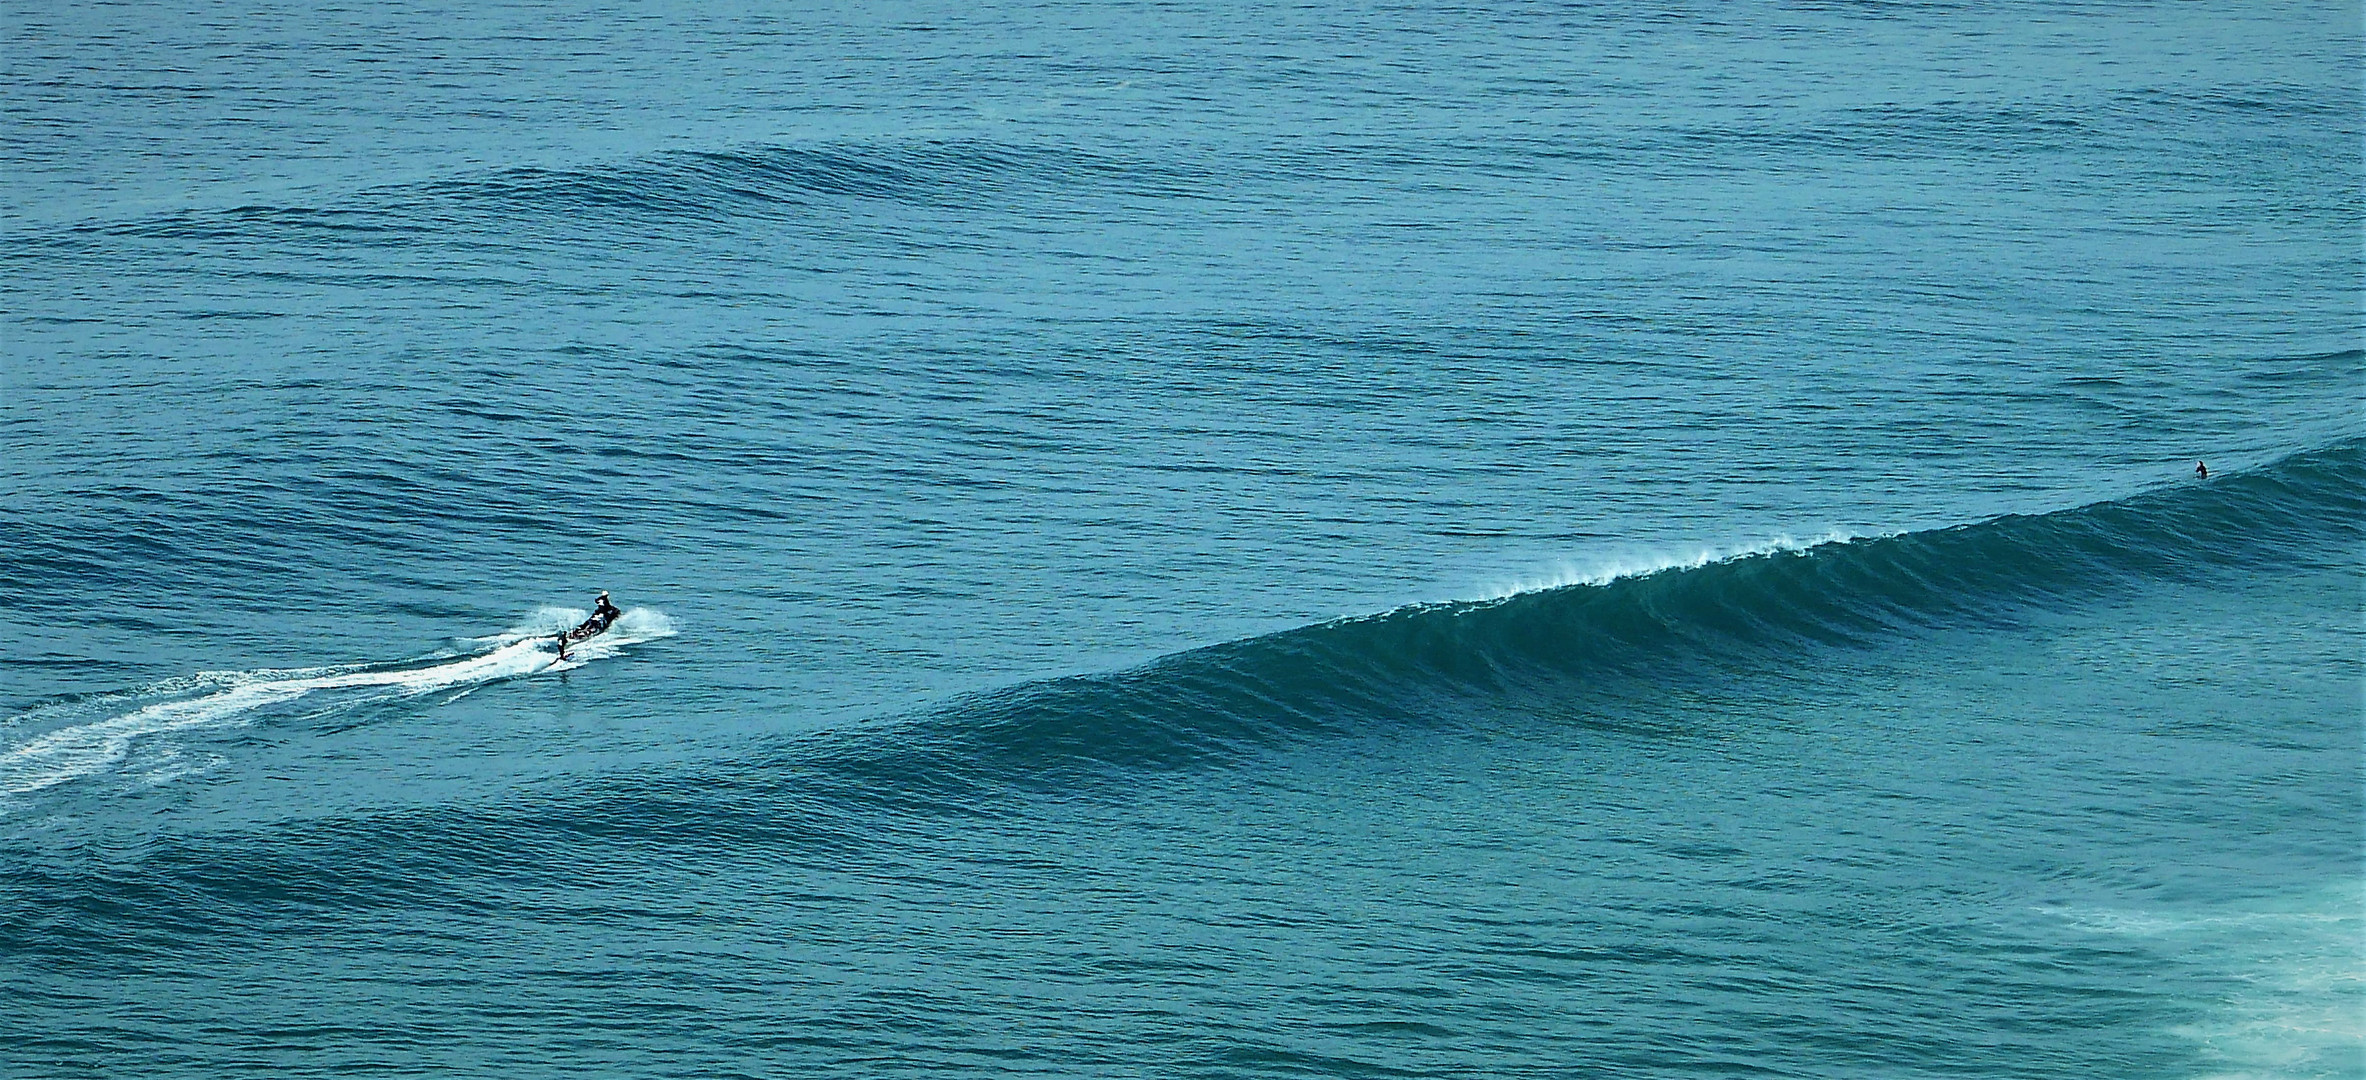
(603, 616)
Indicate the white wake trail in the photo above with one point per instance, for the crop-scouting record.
(80, 750)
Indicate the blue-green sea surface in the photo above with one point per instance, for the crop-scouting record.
(1198, 540)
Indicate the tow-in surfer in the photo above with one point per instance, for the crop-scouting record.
(603, 616)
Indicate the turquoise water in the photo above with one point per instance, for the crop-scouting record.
(1183, 540)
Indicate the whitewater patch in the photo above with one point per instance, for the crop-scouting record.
(215, 699)
(2292, 977)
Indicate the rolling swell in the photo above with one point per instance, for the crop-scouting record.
(1592, 653)
(767, 182)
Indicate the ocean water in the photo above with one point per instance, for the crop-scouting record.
(1183, 540)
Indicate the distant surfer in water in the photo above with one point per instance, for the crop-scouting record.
(2201, 471)
(603, 616)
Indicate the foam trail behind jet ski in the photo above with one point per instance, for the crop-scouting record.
(80, 750)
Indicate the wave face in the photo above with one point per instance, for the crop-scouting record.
(1594, 653)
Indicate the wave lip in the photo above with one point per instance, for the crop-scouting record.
(227, 698)
(1606, 570)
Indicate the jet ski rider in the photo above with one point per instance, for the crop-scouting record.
(604, 615)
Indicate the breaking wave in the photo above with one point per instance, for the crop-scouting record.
(1603, 647)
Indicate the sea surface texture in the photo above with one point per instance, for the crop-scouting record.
(1182, 540)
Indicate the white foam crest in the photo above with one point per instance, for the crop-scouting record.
(1605, 569)
(227, 697)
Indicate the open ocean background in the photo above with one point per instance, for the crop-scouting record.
(1193, 539)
